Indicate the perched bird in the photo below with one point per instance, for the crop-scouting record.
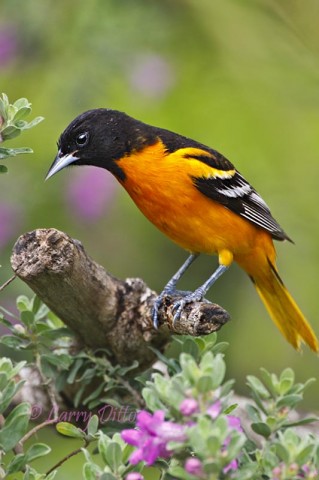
(196, 197)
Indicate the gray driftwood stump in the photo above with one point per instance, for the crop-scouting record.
(102, 310)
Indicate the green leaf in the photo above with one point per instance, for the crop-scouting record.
(54, 334)
(8, 392)
(190, 347)
(27, 318)
(16, 464)
(36, 304)
(4, 104)
(9, 132)
(261, 428)
(226, 388)
(5, 322)
(213, 443)
(286, 381)
(23, 303)
(93, 425)
(113, 456)
(69, 430)
(255, 384)
(37, 450)
(219, 371)
(230, 409)
(107, 476)
(12, 370)
(126, 453)
(220, 347)
(74, 370)
(12, 342)
(282, 452)
(15, 426)
(91, 471)
(62, 361)
(94, 394)
(253, 413)
(12, 152)
(205, 384)
(304, 421)
(22, 103)
(51, 475)
(289, 401)
(103, 442)
(305, 455)
(3, 168)
(268, 379)
(21, 114)
(33, 123)
(152, 401)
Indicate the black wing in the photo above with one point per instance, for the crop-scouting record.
(231, 190)
(224, 183)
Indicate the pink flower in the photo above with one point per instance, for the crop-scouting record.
(151, 437)
(134, 476)
(152, 76)
(234, 423)
(188, 407)
(233, 465)
(8, 44)
(90, 193)
(194, 466)
(215, 409)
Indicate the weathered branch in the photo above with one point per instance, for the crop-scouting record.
(102, 310)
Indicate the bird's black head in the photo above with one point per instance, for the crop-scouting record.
(100, 137)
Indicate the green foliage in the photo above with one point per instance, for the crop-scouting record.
(275, 398)
(88, 366)
(14, 425)
(195, 373)
(12, 124)
(42, 333)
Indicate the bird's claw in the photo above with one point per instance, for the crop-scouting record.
(156, 306)
(180, 304)
(159, 300)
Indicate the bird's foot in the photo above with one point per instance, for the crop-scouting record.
(190, 297)
(159, 301)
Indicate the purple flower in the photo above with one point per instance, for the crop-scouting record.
(214, 409)
(134, 476)
(233, 465)
(151, 75)
(90, 192)
(8, 44)
(10, 220)
(151, 437)
(276, 472)
(308, 471)
(188, 407)
(194, 466)
(234, 423)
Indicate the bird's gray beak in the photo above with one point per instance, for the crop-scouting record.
(60, 162)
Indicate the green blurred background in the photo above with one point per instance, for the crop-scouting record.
(239, 75)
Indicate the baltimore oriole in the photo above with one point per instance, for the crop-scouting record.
(196, 197)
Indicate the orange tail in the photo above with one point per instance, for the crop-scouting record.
(283, 309)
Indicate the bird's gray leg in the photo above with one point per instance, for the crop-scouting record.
(170, 287)
(199, 293)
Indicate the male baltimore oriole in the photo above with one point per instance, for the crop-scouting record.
(196, 197)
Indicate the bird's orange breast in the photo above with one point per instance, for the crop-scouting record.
(161, 185)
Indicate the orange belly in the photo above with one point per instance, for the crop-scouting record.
(162, 188)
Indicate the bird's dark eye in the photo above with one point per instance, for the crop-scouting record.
(82, 139)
